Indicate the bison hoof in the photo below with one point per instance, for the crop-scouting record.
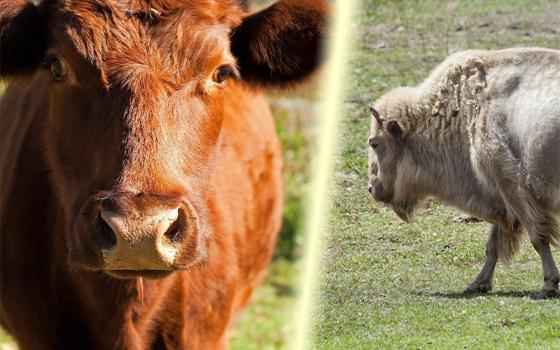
(478, 288)
(549, 293)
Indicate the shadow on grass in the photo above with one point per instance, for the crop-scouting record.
(464, 295)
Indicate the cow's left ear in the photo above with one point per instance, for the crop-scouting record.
(22, 37)
(282, 44)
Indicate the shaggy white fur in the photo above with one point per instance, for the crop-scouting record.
(482, 132)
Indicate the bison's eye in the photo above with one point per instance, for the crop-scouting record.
(222, 73)
(56, 67)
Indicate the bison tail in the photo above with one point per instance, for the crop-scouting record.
(507, 242)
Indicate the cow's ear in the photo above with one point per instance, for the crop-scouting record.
(282, 44)
(22, 37)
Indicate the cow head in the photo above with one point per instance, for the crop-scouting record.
(390, 165)
(133, 126)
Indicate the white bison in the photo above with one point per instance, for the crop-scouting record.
(482, 133)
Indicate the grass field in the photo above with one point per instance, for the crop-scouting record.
(386, 284)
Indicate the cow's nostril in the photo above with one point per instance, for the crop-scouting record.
(177, 230)
(108, 204)
(370, 189)
(108, 239)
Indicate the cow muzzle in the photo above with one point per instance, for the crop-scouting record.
(142, 234)
(142, 242)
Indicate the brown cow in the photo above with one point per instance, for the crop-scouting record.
(141, 189)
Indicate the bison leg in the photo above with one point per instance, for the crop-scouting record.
(551, 275)
(483, 282)
(542, 229)
(502, 244)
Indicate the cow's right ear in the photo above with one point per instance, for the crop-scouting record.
(23, 40)
(282, 44)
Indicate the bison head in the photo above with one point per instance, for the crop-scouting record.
(391, 167)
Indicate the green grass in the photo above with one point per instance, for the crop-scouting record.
(386, 284)
(4, 338)
(267, 323)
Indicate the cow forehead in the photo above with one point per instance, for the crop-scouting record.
(222, 10)
(174, 44)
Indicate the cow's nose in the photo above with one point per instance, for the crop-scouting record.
(370, 189)
(141, 241)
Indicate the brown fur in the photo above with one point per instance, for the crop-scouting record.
(137, 123)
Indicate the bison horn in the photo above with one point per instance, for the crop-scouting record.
(376, 115)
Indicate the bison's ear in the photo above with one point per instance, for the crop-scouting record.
(282, 44)
(22, 37)
(395, 129)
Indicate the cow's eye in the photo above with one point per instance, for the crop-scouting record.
(57, 68)
(373, 143)
(222, 73)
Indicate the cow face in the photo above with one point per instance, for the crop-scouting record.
(390, 166)
(134, 125)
